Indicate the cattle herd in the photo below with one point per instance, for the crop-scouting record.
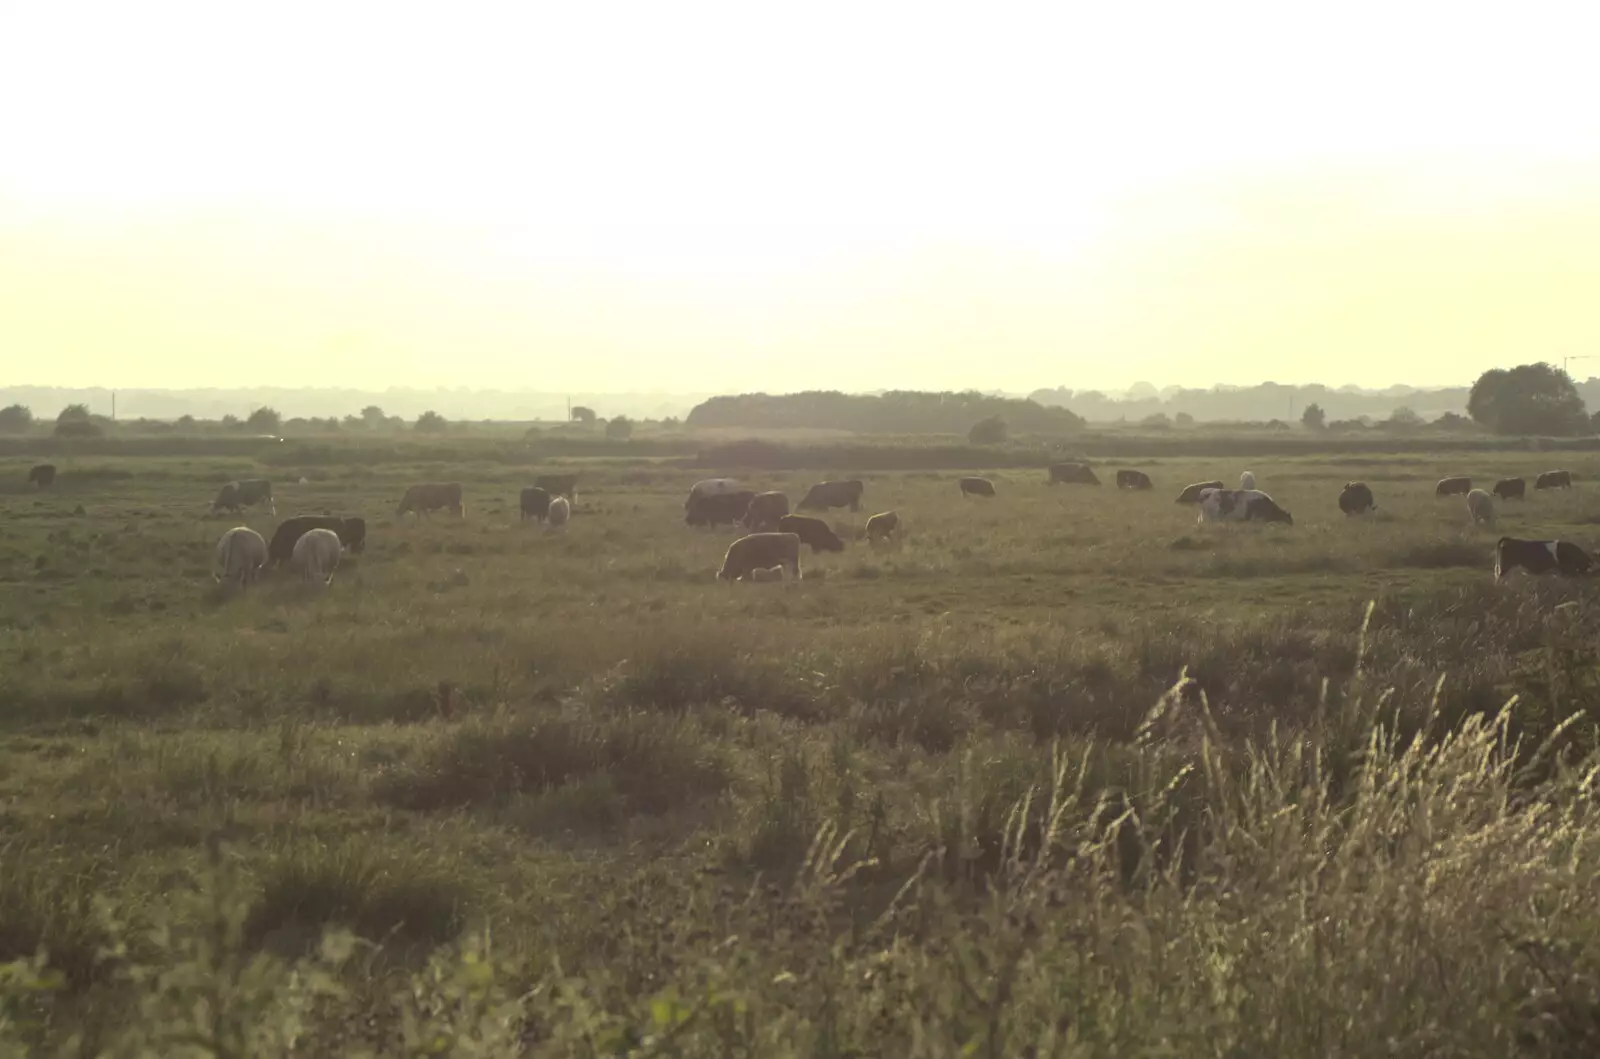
(770, 548)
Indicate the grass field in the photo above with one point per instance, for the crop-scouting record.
(575, 797)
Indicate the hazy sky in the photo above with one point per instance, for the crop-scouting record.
(748, 195)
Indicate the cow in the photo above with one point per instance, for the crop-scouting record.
(1071, 474)
(1191, 493)
(767, 573)
(241, 553)
(1540, 557)
(43, 475)
(883, 526)
(560, 512)
(1509, 488)
(1356, 499)
(1247, 480)
(1480, 505)
(812, 531)
(1240, 505)
(317, 553)
(1553, 480)
(421, 499)
(710, 487)
(972, 486)
(825, 495)
(719, 509)
(761, 551)
(236, 496)
(764, 512)
(352, 534)
(1133, 480)
(533, 502)
(1453, 486)
(558, 485)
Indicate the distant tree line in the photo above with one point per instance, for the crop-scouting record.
(894, 412)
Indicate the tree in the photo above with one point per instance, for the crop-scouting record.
(74, 421)
(431, 422)
(373, 416)
(1183, 419)
(619, 428)
(990, 431)
(1404, 418)
(1313, 418)
(264, 420)
(16, 419)
(1528, 399)
(583, 415)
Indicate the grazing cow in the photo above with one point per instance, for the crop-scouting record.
(1191, 493)
(317, 553)
(825, 495)
(764, 512)
(1453, 486)
(236, 496)
(1356, 499)
(421, 499)
(1247, 480)
(560, 512)
(241, 553)
(710, 487)
(767, 573)
(812, 531)
(1554, 480)
(352, 534)
(44, 475)
(883, 526)
(559, 485)
(761, 551)
(976, 487)
(1480, 505)
(1133, 480)
(1540, 557)
(1072, 474)
(1507, 488)
(1240, 505)
(719, 509)
(533, 502)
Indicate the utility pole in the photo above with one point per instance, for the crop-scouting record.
(113, 404)
(1576, 356)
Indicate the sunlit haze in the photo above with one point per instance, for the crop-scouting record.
(744, 196)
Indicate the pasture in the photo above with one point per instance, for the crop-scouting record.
(565, 784)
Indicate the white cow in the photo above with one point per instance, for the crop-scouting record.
(1480, 505)
(1247, 480)
(241, 553)
(560, 512)
(317, 553)
(1240, 505)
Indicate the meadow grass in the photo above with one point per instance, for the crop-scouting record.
(1057, 773)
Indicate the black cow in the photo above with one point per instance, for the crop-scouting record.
(1540, 557)
(534, 502)
(1507, 488)
(825, 495)
(1133, 480)
(44, 475)
(976, 487)
(1554, 480)
(1191, 493)
(1072, 474)
(719, 509)
(1356, 499)
(812, 531)
(352, 534)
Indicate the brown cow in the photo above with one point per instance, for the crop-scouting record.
(421, 499)
(764, 511)
(1453, 486)
(1133, 480)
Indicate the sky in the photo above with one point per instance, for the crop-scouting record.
(747, 196)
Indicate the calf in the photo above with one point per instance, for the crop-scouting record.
(1356, 499)
(1480, 505)
(764, 511)
(761, 551)
(1540, 557)
(1072, 474)
(718, 509)
(1453, 486)
(1247, 480)
(533, 503)
(1133, 480)
(811, 531)
(1508, 488)
(43, 475)
(560, 512)
(1554, 480)
(1191, 493)
(883, 526)
(241, 553)
(317, 553)
(976, 487)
